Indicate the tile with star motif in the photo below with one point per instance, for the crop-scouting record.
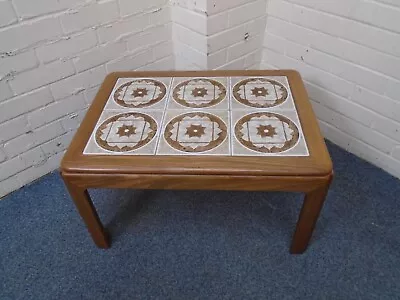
(200, 132)
(263, 132)
(199, 93)
(125, 132)
(139, 93)
(261, 93)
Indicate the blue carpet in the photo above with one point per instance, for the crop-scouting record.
(205, 245)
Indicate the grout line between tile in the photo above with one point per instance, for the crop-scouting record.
(231, 131)
(166, 105)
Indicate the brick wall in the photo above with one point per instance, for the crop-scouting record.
(53, 56)
(348, 52)
(215, 34)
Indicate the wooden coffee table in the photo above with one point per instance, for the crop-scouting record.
(211, 130)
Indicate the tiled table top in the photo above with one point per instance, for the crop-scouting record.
(227, 116)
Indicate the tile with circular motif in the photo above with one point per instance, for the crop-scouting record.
(199, 93)
(139, 93)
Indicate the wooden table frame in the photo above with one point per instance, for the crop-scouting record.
(311, 175)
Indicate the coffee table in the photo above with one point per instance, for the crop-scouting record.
(210, 130)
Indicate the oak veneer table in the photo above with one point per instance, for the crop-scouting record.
(212, 130)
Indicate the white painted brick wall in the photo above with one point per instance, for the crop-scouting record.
(54, 54)
(348, 52)
(218, 34)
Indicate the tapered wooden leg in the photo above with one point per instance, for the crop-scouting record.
(312, 206)
(89, 215)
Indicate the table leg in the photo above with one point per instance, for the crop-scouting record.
(89, 215)
(313, 202)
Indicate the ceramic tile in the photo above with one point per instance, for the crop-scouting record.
(199, 93)
(261, 92)
(139, 93)
(195, 132)
(244, 116)
(125, 132)
(267, 133)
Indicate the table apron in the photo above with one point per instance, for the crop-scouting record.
(197, 182)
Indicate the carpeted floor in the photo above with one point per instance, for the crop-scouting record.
(204, 245)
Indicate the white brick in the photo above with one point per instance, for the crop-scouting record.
(190, 37)
(11, 167)
(256, 26)
(217, 23)
(380, 104)
(120, 29)
(317, 20)
(23, 104)
(190, 19)
(377, 14)
(33, 157)
(131, 62)
(32, 139)
(20, 36)
(387, 127)
(149, 37)
(215, 6)
(341, 8)
(162, 50)
(391, 165)
(78, 83)
(192, 55)
(17, 63)
(396, 153)
(6, 92)
(237, 64)
(159, 16)
(3, 156)
(274, 42)
(217, 59)
(289, 31)
(358, 54)
(90, 15)
(67, 47)
(72, 122)
(393, 89)
(129, 7)
(226, 38)
(90, 94)
(335, 135)
(7, 14)
(316, 76)
(13, 128)
(29, 9)
(253, 60)
(164, 64)
(247, 12)
(56, 110)
(8, 185)
(184, 65)
(41, 76)
(372, 37)
(57, 145)
(364, 133)
(98, 56)
(341, 105)
(33, 173)
(244, 47)
(195, 5)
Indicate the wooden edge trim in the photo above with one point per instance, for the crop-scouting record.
(197, 182)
